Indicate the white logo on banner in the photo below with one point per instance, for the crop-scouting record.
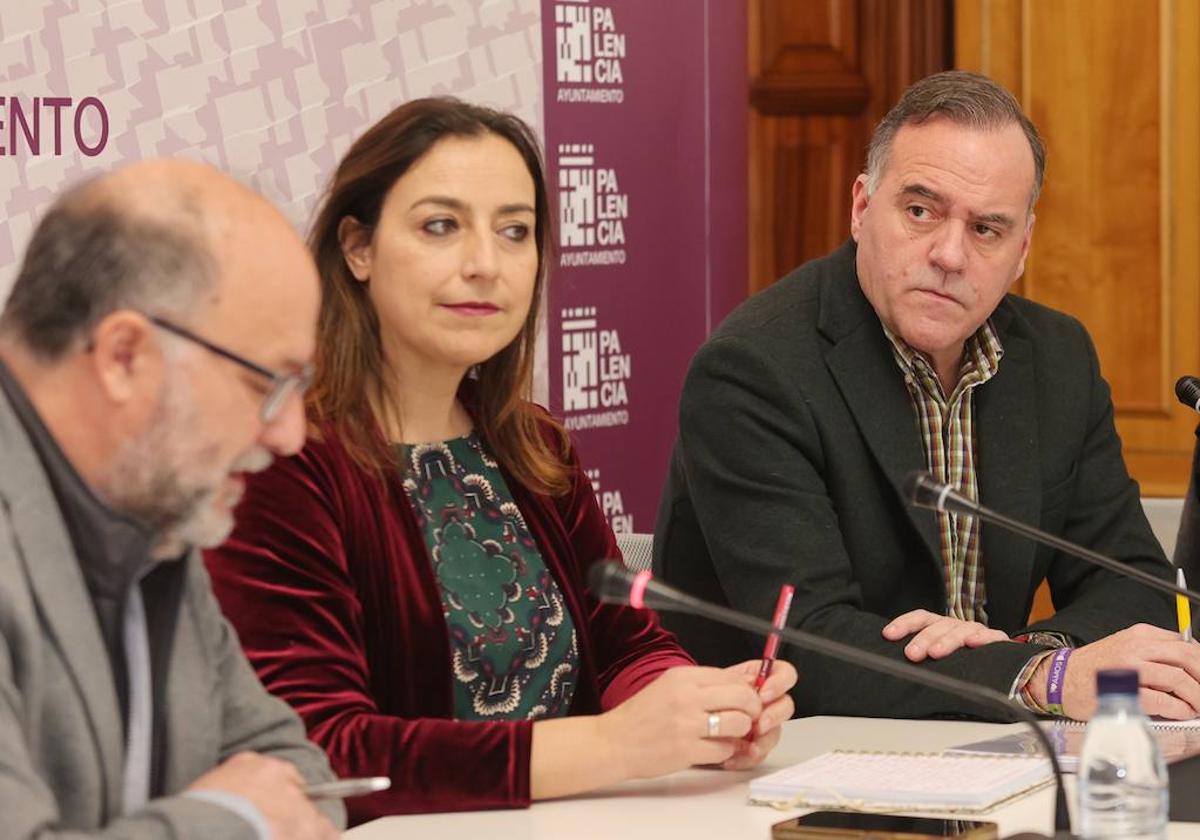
(595, 372)
(612, 506)
(589, 51)
(592, 208)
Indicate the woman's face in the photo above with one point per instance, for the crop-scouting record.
(452, 263)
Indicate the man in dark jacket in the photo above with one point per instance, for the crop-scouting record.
(902, 351)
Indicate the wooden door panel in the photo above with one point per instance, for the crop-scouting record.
(822, 74)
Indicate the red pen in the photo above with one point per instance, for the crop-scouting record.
(782, 606)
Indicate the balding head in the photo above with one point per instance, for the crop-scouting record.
(167, 304)
(168, 237)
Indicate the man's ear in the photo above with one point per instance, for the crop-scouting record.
(860, 197)
(355, 239)
(1028, 240)
(125, 353)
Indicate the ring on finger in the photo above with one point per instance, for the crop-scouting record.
(714, 725)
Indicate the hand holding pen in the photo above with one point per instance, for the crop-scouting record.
(782, 607)
(278, 792)
(777, 702)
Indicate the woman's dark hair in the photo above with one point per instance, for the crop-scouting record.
(350, 390)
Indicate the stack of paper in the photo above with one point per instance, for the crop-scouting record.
(903, 781)
(1176, 740)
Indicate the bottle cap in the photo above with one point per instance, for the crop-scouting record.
(1117, 681)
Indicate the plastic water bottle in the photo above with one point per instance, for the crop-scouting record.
(1122, 779)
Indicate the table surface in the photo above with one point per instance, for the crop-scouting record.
(699, 804)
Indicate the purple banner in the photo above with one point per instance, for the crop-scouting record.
(645, 130)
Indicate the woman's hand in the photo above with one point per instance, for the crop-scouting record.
(689, 715)
(777, 708)
(938, 636)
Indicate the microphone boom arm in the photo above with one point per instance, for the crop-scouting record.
(920, 484)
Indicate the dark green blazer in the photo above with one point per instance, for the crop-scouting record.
(795, 435)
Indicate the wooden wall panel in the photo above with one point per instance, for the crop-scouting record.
(822, 73)
(1112, 86)
(1095, 96)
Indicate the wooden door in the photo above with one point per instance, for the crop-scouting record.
(822, 74)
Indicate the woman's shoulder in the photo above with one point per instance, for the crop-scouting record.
(324, 444)
(547, 422)
(559, 442)
(323, 451)
(324, 463)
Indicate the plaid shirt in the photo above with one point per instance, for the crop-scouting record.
(947, 427)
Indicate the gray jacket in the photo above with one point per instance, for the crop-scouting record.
(61, 750)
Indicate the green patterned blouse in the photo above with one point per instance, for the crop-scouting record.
(512, 639)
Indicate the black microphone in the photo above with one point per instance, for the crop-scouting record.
(611, 582)
(1187, 389)
(923, 490)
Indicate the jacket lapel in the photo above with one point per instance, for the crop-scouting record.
(1009, 474)
(61, 594)
(861, 363)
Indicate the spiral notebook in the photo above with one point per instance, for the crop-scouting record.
(873, 781)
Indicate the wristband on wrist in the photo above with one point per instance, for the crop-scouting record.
(1055, 678)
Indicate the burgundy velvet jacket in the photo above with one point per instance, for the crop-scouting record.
(328, 582)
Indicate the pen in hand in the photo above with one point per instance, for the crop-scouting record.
(778, 622)
(343, 788)
(1183, 609)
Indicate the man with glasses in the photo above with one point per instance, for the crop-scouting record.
(282, 385)
(154, 348)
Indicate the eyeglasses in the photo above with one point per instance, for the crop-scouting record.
(283, 385)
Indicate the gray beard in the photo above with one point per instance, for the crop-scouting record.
(147, 481)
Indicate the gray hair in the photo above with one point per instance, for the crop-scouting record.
(968, 99)
(91, 256)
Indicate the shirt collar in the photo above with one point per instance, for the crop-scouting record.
(982, 352)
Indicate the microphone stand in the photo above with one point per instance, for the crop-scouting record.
(926, 492)
(663, 597)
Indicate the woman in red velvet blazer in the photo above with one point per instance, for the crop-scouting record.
(431, 245)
